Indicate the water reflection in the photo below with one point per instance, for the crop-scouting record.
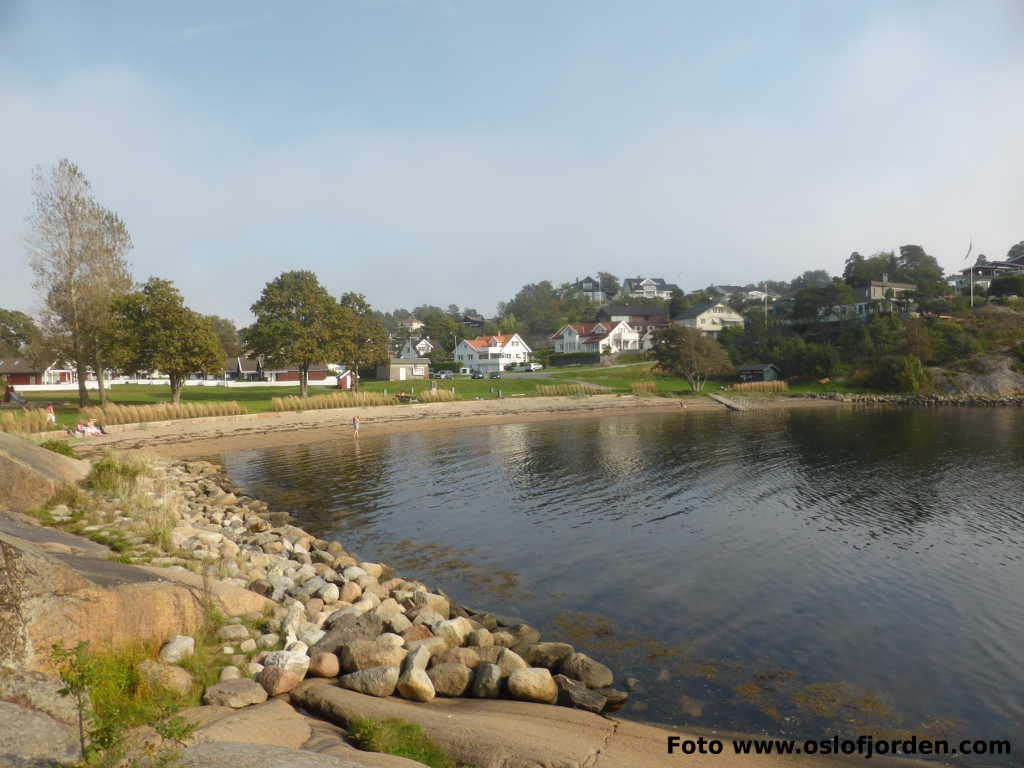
(792, 571)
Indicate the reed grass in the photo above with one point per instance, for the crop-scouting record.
(437, 396)
(333, 400)
(761, 386)
(133, 414)
(557, 390)
(643, 387)
(33, 420)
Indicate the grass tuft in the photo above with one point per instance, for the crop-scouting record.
(760, 386)
(643, 388)
(134, 414)
(398, 737)
(556, 390)
(33, 420)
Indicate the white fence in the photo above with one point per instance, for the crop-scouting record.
(330, 381)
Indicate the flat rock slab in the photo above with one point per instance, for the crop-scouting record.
(229, 754)
(30, 739)
(273, 722)
(483, 733)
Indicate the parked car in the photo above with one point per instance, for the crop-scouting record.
(476, 375)
(495, 375)
(532, 366)
(444, 375)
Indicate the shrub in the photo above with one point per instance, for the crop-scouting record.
(132, 414)
(33, 420)
(558, 390)
(333, 400)
(437, 396)
(58, 446)
(901, 374)
(108, 475)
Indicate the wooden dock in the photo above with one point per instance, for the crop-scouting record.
(732, 405)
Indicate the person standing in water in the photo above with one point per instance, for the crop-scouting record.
(355, 426)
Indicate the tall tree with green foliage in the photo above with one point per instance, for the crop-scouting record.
(364, 340)
(154, 330)
(227, 335)
(297, 323)
(687, 352)
(443, 329)
(18, 331)
(77, 250)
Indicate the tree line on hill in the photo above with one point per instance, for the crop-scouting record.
(95, 317)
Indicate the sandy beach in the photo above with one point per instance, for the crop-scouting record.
(201, 437)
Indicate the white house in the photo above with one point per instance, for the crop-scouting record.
(648, 288)
(492, 353)
(710, 318)
(421, 348)
(599, 338)
(591, 289)
(411, 324)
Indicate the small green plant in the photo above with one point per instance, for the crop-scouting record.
(58, 446)
(111, 697)
(111, 476)
(398, 737)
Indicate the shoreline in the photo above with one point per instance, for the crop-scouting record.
(192, 438)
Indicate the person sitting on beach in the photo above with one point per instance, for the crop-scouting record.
(92, 428)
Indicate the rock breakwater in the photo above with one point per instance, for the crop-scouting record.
(963, 400)
(356, 622)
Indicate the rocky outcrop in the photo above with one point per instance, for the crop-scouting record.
(29, 475)
(47, 598)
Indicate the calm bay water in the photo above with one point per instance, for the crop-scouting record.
(803, 573)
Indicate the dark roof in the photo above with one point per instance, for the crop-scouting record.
(243, 364)
(758, 366)
(21, 365)
(635, 311)
(629, 282)
(699, 309)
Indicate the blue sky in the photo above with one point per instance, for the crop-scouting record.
(452, 151)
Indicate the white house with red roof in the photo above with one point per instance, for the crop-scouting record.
(605, 338)
(492, 353)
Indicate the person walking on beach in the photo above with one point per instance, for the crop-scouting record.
(355, 426)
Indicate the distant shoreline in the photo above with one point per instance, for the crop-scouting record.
(192, 438)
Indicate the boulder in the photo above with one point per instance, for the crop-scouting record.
(572, 693)
(294, 661)
(450, 679)
(467, 657)
(232, 633)
(487, 681)
(278, 680)
(435, 645)
(230, 673)
(616, 699)
(510, 661)
(481, 637)
(323, 664)
(363, 654)
(548, 655)
(375, 681)
(454, 631)
(348, 628)
(229, 754)
(533, 684)
(592, 673)
(29, 738)
(178, 648)
(166, 676)
(415, 684)
(235, 694)
(30, 475)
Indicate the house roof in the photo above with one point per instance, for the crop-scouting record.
(483, 342)
(242, 364)
(696, 311)
(632, 283)
(633, 311)
(582, 329)
(21, 365)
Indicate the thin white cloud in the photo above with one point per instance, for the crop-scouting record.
(201, 30)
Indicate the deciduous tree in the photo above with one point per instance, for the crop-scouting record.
(77, 251)
(688, 353)
(154, 330)
(364, 340)
(297, 323)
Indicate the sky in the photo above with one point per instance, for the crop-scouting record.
(451, 151)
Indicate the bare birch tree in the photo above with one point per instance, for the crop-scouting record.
(77, 250)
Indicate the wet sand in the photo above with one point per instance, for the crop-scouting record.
(190, 438)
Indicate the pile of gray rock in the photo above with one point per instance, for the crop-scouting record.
(969, 400)
(358, 622)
